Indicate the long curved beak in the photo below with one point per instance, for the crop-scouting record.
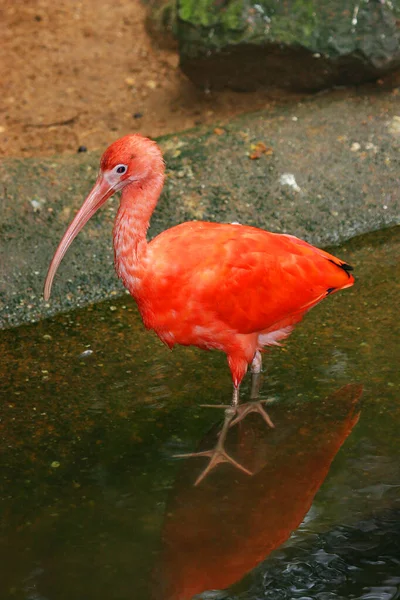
(101, 191)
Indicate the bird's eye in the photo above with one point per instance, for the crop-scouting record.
(120, 169)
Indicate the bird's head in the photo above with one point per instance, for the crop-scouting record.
(131, 160)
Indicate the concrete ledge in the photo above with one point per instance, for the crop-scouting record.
(328, 169)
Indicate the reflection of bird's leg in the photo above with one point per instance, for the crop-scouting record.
(218, 454)
(255, 405)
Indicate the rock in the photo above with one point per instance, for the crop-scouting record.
(303, 45)
(307, 181)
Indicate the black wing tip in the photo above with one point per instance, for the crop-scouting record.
(346, 268)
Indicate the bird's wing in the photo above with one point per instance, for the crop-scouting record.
(248, 278)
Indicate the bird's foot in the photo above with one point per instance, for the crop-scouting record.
(240, 411)
(256, 406)
(218, 454)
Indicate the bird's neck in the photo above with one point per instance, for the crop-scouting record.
(138, 201)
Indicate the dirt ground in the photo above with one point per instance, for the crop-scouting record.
(85, 73)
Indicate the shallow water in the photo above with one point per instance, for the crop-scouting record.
(94, 504)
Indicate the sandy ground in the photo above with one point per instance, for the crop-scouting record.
(84, 73)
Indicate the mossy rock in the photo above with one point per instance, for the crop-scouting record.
(298, 44)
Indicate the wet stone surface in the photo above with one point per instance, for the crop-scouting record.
(94, 409)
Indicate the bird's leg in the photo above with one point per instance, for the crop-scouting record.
(218, 454)
(255, 405)
(255, 369)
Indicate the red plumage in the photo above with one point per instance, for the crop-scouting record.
(231, 285)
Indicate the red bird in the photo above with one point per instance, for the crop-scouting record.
(230, 287)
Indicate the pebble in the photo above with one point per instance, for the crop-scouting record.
(290, 180)
(85, 353)
(36, 205)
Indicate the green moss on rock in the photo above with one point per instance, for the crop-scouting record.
(221, 40)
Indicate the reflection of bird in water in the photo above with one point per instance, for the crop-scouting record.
(215, 533)
(216, 286)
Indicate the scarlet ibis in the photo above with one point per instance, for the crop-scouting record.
(228, 287)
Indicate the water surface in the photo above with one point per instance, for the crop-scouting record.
(94, 408)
